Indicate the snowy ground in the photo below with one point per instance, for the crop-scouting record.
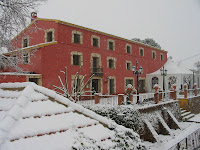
(167, 141)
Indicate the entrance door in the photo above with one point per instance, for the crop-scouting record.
(95, 85)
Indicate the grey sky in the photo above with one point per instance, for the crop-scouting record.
(174, 24)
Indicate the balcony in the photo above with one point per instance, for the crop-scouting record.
(98, 72)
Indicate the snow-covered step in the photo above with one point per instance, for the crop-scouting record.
(188, 117)
(186, 114)
(183, 111)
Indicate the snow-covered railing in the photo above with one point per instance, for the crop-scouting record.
(190, 92)
(167, 95)
(89, 100)
(198, 91)
(109, 100)
(189, 142)
(143, 98)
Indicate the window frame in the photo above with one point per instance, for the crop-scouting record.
(114, 86)
(161, 57)
(128, 45)
(80, 54)
(98, 41)
(108, 44)
(154, 55)
(74, 32)
(53, 34)
(141, 49)
(114, 62)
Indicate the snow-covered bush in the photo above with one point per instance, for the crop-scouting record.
(122, 115)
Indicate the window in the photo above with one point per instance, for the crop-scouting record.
(76, 58)
(49, 35)
(25, 58)
(77, 37)
(154, 81)
(153, 54)
(128, 65)
(141, 50)
(129, 81)
(111, 62)
(128, 49)
(142, 85)
(112, 85)
(111, 44)
(76, 83)
(161, 56)
(95, 41)
(25, 42)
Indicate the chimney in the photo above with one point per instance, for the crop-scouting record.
(33, 16)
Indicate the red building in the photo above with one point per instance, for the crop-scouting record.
(47, 46)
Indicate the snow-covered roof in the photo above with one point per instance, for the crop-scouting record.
(173, 68)
(38, 118)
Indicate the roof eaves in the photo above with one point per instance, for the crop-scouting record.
(32, 47)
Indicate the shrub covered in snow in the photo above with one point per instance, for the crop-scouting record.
(122, 115)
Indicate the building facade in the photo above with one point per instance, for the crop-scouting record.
(47, 46)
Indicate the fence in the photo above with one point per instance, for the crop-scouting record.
(143, 98)
(192, 141)
(89, 100)
(108, 100)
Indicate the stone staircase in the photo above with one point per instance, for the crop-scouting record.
(186, 115)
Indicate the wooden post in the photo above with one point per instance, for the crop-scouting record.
(96, 98)
(195, 89)
(120, 98)
(185, 90)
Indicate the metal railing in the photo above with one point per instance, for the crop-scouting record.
(97, 71)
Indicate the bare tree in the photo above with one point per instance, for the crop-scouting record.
(14, 16)
(197, 65)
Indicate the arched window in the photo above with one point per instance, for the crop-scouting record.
(154, 81)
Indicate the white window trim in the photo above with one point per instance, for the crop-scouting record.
(81, 36)
(110, 40)
(114, 59)
(141, 48)
(53, 34)
(97, 37)
(130, 48)
(128, 62)
(77, 53)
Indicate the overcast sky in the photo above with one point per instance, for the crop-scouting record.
(174, 24)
